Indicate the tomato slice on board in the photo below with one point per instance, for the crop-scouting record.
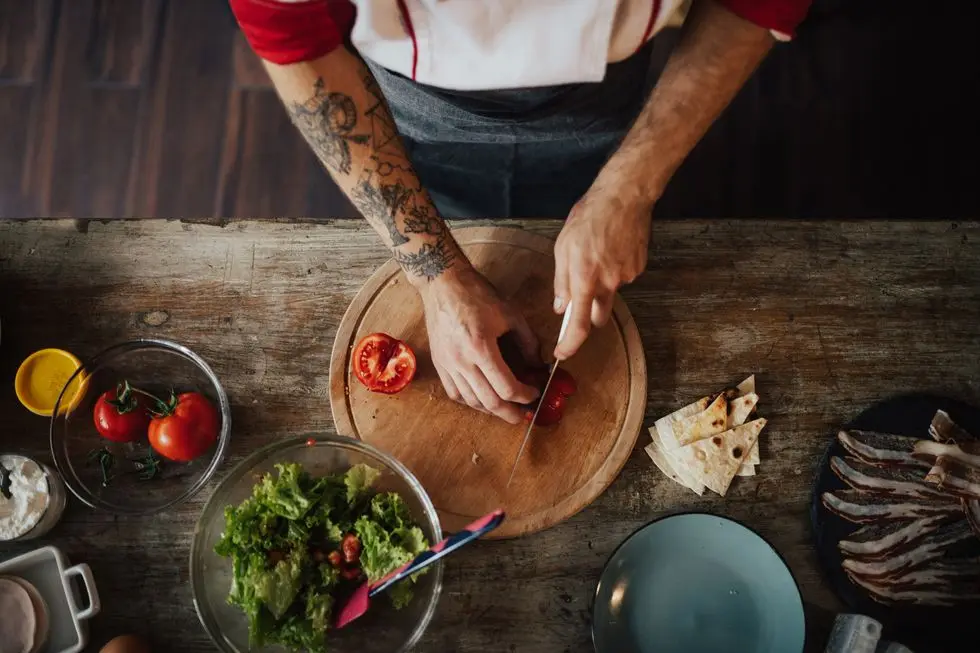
(383, 364)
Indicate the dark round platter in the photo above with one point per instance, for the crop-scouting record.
(952, 629)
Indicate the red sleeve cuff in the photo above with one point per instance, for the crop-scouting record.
(781, 16)
(290, 32)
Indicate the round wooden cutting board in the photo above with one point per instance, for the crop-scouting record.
(463, 457)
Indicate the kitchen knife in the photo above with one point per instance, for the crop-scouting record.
(554, 366)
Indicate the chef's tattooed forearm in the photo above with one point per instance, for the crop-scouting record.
(327, 121)
(359, 145)
(430, 261)
(380, 203)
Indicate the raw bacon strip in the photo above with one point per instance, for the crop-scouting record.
(937, 574)
(930, 548)
(972, 508)
(863, 507)
(956, 467)
(892, 481)
(946, 595)
(954, 477)
(880, 449)
(944, 429)
(885, 538)
(966, 453)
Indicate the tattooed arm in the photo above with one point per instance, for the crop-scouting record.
(336, 104)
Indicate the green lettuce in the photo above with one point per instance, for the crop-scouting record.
(379, 555)
(283, 496)
(278, 587)
(288, 595)
(359, 480)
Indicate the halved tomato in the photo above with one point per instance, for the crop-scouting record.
(383, 363)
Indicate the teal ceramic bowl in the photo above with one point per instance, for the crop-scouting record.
(697, 583)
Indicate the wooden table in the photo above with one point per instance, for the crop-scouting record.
(830, 315)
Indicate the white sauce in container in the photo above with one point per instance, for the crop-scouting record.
(37, 499)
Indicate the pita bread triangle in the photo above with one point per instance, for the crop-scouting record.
(744, 388)
(716, 460)
(711, 421)
(663, 463)
(662, 433)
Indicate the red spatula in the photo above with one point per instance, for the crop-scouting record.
(358, 602)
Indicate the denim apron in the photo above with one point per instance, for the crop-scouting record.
(515, 153)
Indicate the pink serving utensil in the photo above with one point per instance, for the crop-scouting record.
(358, 602)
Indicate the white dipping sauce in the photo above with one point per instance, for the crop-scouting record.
(30, 498)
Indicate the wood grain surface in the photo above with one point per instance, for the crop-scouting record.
(831, 316)
(463, 458)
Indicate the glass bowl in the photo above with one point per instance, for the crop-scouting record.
(382, 628)
(156, 366)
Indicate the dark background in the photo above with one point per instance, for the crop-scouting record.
(116, 108)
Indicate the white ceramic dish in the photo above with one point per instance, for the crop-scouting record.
(69, 609)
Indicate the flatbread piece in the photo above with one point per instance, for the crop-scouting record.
(717, 459)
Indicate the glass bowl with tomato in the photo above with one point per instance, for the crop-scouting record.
(386, 627)
(149, 431)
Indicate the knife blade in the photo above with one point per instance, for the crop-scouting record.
(551, 374)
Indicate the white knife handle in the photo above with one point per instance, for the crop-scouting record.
(564, 322)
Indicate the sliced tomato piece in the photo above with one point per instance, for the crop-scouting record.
(383, 363)
(553, 403)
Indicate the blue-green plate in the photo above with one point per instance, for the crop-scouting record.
(697, 583)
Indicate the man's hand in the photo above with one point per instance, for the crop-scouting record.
(465, 317)
(602, 246)
(604, 242)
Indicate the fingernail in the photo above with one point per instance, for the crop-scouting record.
(559, 302)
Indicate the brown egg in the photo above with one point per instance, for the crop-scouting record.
(126, 644)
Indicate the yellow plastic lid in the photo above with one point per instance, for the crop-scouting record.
(42, 376)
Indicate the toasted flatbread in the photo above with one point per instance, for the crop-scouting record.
(670, 467)
(711, 421)
(19, 622)
(663, 463)
(663, 433)
(739, 410)
(746, 386)
(717, 459)
(664, 427)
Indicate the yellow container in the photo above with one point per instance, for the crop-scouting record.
(41, 378)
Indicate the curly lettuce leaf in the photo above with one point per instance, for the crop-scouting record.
(390, 510)
(378, 554)
(283, 496)
(278, 587)
(359, 479)
(401, 594)
(296, 632)
(319, 609)
(411, 539)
